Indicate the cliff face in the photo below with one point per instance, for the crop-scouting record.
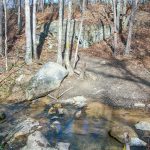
(91, 33)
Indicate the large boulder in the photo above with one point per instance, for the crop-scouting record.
(45, 80)
(118, 130)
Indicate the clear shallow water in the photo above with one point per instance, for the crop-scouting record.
(82, 134)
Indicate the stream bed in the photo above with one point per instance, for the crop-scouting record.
(73, 126)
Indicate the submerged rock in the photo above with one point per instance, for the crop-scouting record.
(2, 116)
(56, 125)
(25, 127)
(143, 125)
(36, 141)
(45, 80)
(63, 146)
(99, 110)
(78, 101)
(118, 130)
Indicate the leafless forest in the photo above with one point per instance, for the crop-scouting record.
(74, 74)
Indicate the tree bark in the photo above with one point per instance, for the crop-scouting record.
(132, 17)
(28, 55)
(34, 30)
(19, 16)
(115, 26)
(79, 36)
(1, 27)
(6, 47)
(59, 52)
(67, 51)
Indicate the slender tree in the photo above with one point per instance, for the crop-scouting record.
(59, 52)
(132, 17)
(34, 30)
(80, 32)
(6, 47)
(19, 16)
(28, 55)
(115, 25)
(67, 51)
(1, 30)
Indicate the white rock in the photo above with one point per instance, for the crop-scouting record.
(60, 111)
(57, 126)
(63, 146)
(139, 105)
(20, 78)
(148, 106)
(137, 142)
(143, 125)
(23, 79)
(78, 101)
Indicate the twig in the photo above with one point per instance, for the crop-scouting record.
(64, 92)
(52, 97)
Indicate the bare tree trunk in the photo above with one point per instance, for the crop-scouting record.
(115, 26)
(1, 27)
(80, 32)
(41, 5)
(6, 47)
(67, 51)
(132, 17)
(19, 16)
(59, 52)
(34, 30)
(119, 9)
(28, 55)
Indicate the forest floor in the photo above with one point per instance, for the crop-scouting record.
(117, 80)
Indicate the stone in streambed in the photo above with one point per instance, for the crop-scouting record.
(118, 130)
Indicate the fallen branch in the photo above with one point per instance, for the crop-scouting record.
(64, 92)
(52, 97)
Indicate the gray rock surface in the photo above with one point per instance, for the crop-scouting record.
(143, 125)
(36, 141)
(25, 127)
(118, 130)
(63, 146)
(45, 80)
(91, 34)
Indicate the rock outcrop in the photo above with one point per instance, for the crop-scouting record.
(91, 33)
